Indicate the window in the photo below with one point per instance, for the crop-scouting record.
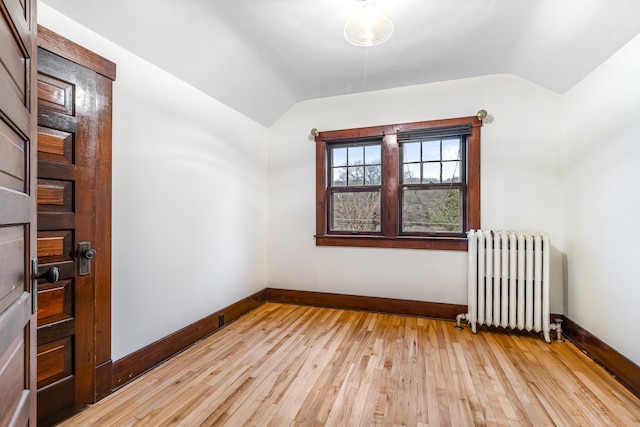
(413, 185)
(354, 187)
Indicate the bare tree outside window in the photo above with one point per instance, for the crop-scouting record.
(356, 211)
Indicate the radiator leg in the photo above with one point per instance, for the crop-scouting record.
(459, 318)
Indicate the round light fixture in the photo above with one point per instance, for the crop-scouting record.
(369, 25)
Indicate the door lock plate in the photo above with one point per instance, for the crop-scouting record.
(85, 255)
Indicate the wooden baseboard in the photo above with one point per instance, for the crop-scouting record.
(432, 310)
(104, 376)
(140, 361)
(622, 369)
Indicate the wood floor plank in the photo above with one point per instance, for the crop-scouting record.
(286, 365)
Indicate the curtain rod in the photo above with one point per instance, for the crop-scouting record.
(482, 115)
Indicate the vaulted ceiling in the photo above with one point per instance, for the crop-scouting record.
(260, 57)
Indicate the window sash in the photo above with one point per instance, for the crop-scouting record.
(439, 135)
(359, 219)
(461, 187)
(422, 160)
(347, 166)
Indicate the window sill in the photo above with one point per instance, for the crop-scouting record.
(404, 242)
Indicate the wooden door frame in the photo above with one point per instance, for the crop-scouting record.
(106, 71)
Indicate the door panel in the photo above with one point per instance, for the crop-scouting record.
(55, 361)
(55, 195)
(13, 172)
(13, 73)
(54, 145)
(12, 248)
(55, 302)
(17, 212)
(55, 95)
(12, 387)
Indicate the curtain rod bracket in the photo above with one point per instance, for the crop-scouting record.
(313, 134)
(485, 117)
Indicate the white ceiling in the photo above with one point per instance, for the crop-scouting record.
(260, 57)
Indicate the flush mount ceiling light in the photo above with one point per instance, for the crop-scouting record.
(369, 25)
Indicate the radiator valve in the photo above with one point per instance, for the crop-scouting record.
(557, 326)
(459, 318)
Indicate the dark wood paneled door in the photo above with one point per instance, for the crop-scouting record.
(71, 203)
(17, 212)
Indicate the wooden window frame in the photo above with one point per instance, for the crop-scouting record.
(391, 236)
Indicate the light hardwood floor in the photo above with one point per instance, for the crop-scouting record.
(284, 365)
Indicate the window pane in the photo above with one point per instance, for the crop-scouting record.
(411, 173)
(356, 176)
(450, 171)
(372, 154)
(372, 175)
(411, 152)
(431, 210)
(339, 177)
(356, 156)
(451, 149)
(431, 172)
(339, 156)
(431, 150)
(355, 211)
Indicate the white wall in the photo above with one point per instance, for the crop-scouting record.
(601, 180)
(189, 198)
(520, 186)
